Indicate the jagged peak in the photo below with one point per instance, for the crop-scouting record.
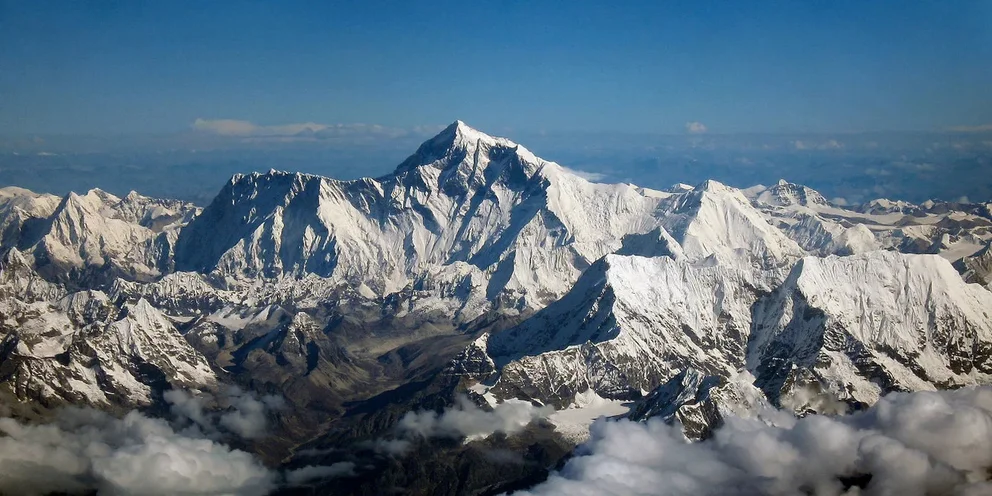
(272, 178)
(103, 196)
(133, 195)
(713, 186)
(71, 201)
(95, 202)
(458, 132)
(12, 191)
(679, 188)
(457, 142)
(785, 193)
(13, 258)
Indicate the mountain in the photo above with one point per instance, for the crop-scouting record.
(514, 227)
(714, 219)
(94, 236)
(81, 348)
(977, 267)
(953, 230)
(869, 324)
(629, 324)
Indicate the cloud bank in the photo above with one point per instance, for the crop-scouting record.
(981, 128)
(86, 450)
(906, 444)
(304, 131)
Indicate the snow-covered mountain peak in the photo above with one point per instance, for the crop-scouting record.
(679, 188)
(34, 204)
(461, 147)
(716, 218)
(713, 186)
(785, 194)
(886, 206)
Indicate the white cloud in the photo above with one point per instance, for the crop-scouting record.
(234, 127)
(465, 419)
(234, 410)
(391, 447)
(587, 175)
(981, 128)
(247, 416)
(908, 443)
(303, 130)
(225, 127)
(695, 127)
(831, 144)
(312, 472)
(91, 450)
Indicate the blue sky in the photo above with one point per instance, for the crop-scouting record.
(782, 67)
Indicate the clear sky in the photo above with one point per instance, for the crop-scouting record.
(735, 66)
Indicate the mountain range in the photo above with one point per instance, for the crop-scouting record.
(479, 269)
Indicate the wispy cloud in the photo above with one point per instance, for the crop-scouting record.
(235, 128)
(695, 127)
(310, 472)
(590, 176)
(981, 128)
(831, 144)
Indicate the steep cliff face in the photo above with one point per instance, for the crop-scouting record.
(629, 324)
(874, 323)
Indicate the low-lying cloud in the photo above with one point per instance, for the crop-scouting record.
(466, 419)
(234, 411)
(86, 450)
(310, 473)
(906, 444)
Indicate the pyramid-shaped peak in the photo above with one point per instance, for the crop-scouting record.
(11, 259)
(713, 186)
(785, 193)
(456, 141)
(460, 133)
